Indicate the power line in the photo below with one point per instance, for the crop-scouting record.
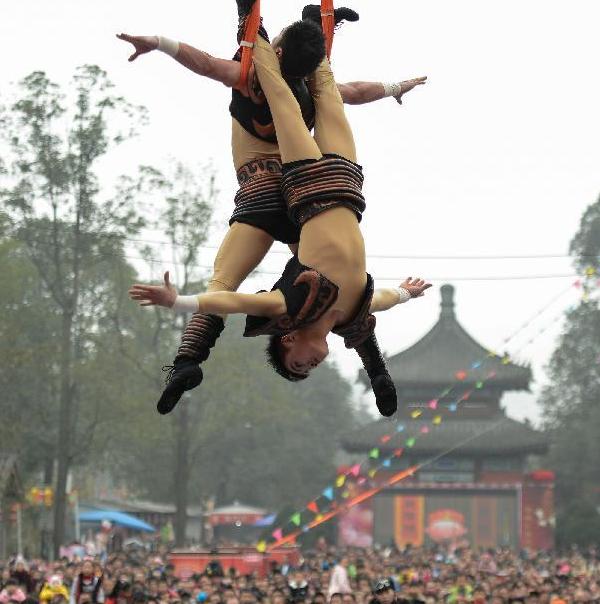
(537, 314)
(405, 256)
(438, 257)
(260, 271)
(381, 278)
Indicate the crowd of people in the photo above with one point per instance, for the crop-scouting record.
(323, 576)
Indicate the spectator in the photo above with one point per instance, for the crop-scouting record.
(339, 582)
(54, 591)
(461, 592)
(87, 586)
(416, 575)
(214, 567)
(12, 593)
(20, 573)
(298, 586)
(384, 592)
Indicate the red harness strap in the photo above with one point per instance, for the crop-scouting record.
(247, 44)
(328, 21)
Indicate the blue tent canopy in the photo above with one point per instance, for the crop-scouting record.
(118, 518)
(266, 520)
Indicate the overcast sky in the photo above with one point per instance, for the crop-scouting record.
(497, 156)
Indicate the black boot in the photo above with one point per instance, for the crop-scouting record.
(185, 374)
(386, 398)
(381, 381)
(312, 12)
(244, 7)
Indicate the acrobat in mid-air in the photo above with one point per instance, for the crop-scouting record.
(302, 190)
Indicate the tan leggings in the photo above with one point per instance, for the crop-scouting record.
(244, 246)
(241, 251)
(332, 130)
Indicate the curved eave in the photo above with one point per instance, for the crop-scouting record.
(443, 352)
(464, 437)
(506, 385)
(482, 451)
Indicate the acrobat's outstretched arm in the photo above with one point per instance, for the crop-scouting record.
(361, 93)
(265, 304)
(385, 299)
(221, 70)
(228, 72)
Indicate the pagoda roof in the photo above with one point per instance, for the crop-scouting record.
(499, 435)
(448, 349)
(240, 509)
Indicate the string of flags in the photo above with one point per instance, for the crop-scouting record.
(338, 496)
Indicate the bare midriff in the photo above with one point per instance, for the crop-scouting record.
(332, 244)
(246, 148)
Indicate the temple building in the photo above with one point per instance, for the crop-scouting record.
(477, 478)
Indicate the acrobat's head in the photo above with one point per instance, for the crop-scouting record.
(296, 354)
(300, 48)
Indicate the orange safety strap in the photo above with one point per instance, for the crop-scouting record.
(247, 44)
(328, 21)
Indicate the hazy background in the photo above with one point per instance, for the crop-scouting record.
(497, 156)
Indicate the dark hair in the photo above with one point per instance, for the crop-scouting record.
(383, 585)
(303, 49)
(275, 359)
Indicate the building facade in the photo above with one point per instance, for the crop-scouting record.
(477, 478)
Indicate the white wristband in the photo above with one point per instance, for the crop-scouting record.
(186, 304)
(392, 89)
(403, 295)
(168, 46)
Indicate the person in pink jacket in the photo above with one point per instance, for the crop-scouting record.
(12, 593)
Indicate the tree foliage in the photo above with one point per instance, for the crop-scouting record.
(72, 237)
(80, 363)
(571, 401)
(256, 437)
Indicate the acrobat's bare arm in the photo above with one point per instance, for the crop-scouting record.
(228, 72)
(385, 299)
(222, 70)
(361, 93)
(267, 304)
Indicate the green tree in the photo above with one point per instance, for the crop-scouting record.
(571, 401)
(111, 390)
(185, 219)
(585, 246)
(72, 236)
(27, 326)
(254, 436)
